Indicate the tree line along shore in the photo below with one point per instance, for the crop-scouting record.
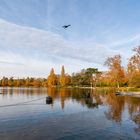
(116, 76)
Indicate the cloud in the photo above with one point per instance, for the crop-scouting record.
(111, 29)
(10, 63)
(37, 50)
(128, 40)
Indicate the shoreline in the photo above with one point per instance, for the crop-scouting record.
(121, 89)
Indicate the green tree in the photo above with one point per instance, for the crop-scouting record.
(84, 77)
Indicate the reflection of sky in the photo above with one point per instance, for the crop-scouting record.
(32, 40)
(73, 121)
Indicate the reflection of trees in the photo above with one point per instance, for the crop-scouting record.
(98, 97)
(52, 92)
(116, 106)
(62, 95)
(22, 90)
(134, 111)
(4, 91)
(82, 96)
(89, 98)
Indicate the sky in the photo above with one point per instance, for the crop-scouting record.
(32, 39)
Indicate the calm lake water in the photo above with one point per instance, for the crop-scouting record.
(74, 114)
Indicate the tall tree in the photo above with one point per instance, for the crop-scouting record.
(62, 78)
(52, 79)
(116, 71)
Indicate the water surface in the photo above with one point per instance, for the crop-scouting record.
(79, 114)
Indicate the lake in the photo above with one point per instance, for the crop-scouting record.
(74, 114)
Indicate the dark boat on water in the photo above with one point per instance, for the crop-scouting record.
(49, 100)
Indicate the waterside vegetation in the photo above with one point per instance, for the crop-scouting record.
(117, 76)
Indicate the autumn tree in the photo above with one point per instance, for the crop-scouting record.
(11, 82)
(135, 59)
(17, 83)
(27, 82)
(37, 82)
(23, 82)
(116, 71)
(68, 79)
(52, 79)
(96, 79)
(133, 68)
(4, 81)
(62, 78)
(44, 82)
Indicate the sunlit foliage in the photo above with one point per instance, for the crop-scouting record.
(133, 68)
(115, 76)
(52, 79)
(116, 71)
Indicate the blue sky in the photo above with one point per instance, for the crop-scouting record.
(32, 39)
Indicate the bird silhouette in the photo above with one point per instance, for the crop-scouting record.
(66, 26)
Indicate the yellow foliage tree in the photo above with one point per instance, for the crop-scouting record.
(62, 78)
(52, 79)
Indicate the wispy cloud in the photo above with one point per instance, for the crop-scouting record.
(111, 29)
(34, 48)
(10, 63)
(32, 40)
(39, 50)
(127, 40)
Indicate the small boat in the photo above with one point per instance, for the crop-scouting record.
(48, 100)
(118, 93)
(127, 93)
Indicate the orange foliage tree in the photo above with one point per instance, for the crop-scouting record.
(116, 71)
(133, 68)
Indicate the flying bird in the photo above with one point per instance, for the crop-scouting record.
(66, 26)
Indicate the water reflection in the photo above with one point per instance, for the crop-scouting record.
(134, 111)
(84, 97)
(116, 105)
